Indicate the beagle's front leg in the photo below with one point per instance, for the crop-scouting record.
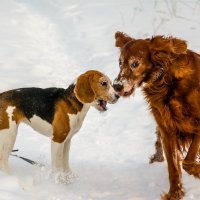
(60, 162)
(57, 150)
(66, 156)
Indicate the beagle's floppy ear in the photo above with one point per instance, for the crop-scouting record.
(83, 89)
(169, 44)
(121, 39)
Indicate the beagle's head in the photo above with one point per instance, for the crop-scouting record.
(96, 89)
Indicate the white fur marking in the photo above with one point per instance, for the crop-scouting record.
(7, 139)
(127, 86)
(40, 125)
(60, 151)
(66, 156)
(117, 82)
(9, 111)
(76, 120)
(57, 155)
(112, 93)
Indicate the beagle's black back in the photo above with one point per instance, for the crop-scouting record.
(35, 101)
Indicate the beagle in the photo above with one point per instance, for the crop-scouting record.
(55, 112)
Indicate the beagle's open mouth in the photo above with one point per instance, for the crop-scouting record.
(101, 105)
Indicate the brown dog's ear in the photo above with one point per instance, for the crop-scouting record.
(121, 39)
(83, 89)
(170, 44)
(178, 46)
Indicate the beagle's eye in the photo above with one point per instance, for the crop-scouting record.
(135, 64)
(104, 83)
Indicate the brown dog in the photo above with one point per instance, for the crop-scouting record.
(169, 75)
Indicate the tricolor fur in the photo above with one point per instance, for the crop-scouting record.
(55, 112)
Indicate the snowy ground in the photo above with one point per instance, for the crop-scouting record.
(48, 43)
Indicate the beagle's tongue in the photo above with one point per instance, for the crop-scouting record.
(102, 105)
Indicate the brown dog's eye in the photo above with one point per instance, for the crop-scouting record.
(104, 83)
(135, 64)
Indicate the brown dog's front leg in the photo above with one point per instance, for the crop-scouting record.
(170, 148)
(189, 163)
(158, 155)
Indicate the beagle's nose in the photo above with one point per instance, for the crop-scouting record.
(118, 87)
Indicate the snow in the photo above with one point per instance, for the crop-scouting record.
(45, 43)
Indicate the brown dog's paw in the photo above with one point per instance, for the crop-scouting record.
(175, 195)
(192, 168)
(164, 197)
(156, 158)
(171, 197)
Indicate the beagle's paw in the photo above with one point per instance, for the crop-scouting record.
(63, 177)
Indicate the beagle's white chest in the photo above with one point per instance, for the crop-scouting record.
(76, 120)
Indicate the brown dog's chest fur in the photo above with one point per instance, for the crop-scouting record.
(174, 114)
(175, 100)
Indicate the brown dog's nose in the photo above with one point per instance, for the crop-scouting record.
(118, 87)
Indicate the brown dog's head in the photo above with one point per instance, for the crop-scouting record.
(95, 88)
(144, 60)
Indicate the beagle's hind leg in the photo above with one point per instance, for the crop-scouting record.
(7, 140)
(8, 132)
